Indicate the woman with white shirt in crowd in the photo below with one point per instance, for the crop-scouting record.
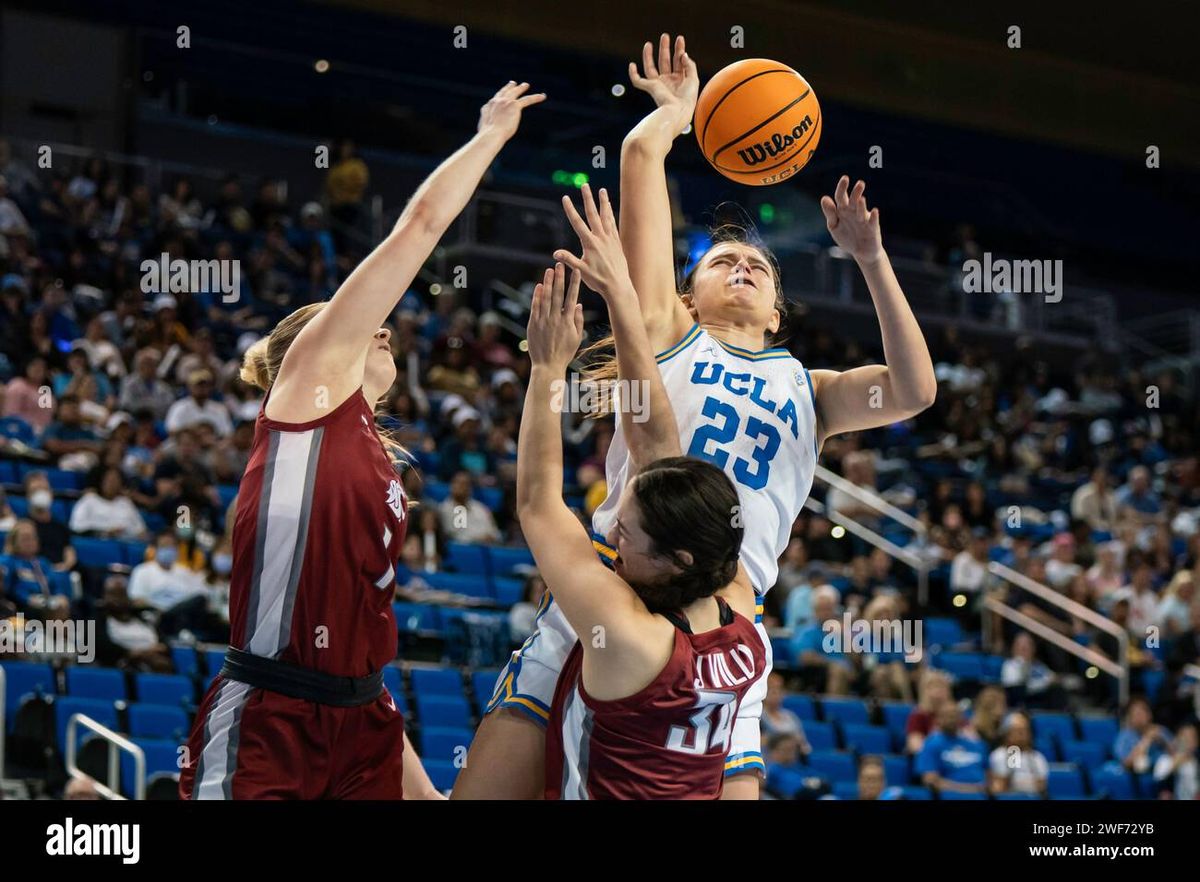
(1015, 766)
(1174, 610)
(106, 510)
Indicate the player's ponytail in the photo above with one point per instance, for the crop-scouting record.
(689, 505)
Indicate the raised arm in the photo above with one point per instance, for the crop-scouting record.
(646, 231)
(653, 434)
(873, 395)
(334, 344)
(589, 594)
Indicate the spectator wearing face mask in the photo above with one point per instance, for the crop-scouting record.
(54, 537)
(165, 585)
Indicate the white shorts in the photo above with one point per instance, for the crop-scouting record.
(528, 680)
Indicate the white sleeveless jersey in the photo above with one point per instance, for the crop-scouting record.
(751, 413)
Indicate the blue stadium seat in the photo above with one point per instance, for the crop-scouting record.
(846, 790)
(414, 617)
(897, 770)
(1058, 725)
(25, 678)
(186, 661)
(18, 430)
(895, 717)
(942, 632)
(436, 681)
(105, 683)
(916, 792)
(845, 710)
(442, 773)
(444, 743)
(394, 683)
(95, 552)
(162, 755)
(133, 552)
(505, 560)
(472, 586)
(443, 711)
(103, 712)
(1048, 745)
(866, 739)
(483, 683)
(173, 689)
(213, 660)
(960, 665)
(508, 591)
(1065, 781)
(465, 557)
(8, 471)
(492, 497)
(157, 721)
(820, 736)
(801, 705)
(834, 765)
(19, 505)
(226, 493)
(992, 665)
(436, 491)
(1113, 780)
(1099, 730)
(785, 781)
(61, 479)
(1087, 754)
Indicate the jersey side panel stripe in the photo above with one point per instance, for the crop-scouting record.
(576, 730)
(310, 478)
(217, 762)
(279, 515)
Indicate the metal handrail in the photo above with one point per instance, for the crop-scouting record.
(877, 502)
(1105, 664)
(116, 742)
(1072, 607)
(915, 561)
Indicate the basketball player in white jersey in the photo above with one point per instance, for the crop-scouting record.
(754, 410)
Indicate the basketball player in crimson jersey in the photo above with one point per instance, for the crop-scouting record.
(645, 703)
(299, 709)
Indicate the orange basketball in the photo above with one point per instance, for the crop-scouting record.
(758, 122)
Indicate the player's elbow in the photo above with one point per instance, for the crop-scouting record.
(422, 216)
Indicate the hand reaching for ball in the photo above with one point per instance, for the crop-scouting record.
(502, 114)
(853, 227)
(673, 83)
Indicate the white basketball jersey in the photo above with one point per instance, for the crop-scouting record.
(751, 413)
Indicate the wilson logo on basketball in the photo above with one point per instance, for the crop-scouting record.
(756, 153)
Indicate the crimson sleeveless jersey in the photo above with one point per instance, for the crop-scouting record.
(668, 741)
(321, 518)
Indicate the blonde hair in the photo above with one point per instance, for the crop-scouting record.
(262, 361)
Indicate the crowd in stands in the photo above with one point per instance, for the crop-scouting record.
(124, 417)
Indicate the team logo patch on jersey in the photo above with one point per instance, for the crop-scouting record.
(395, 499)
(799, 375)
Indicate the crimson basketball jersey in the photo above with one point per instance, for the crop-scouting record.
(321, 519)
(668, 741)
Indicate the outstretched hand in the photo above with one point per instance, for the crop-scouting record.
(555, 320)
(853, 227)
(603, 264)
(673, 83)
(502, 114)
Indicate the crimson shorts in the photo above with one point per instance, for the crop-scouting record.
(248, 743)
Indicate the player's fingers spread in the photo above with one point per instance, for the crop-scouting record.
(569, 259)
(634, 77)
(589, 209)
(648, 60)
(664, 53)
(830, 211)
(557, 292)
(531, 99)
(677, 61)
(874, 217)
(606, 213)
(578, 311)
(572, 300)
(839, 193)
(519, 89)
(574, 219)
